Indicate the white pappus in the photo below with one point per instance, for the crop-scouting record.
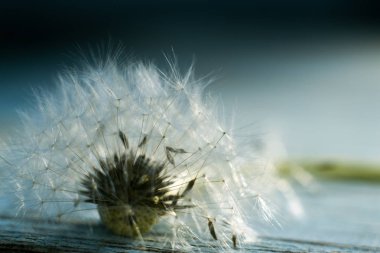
(139, 149)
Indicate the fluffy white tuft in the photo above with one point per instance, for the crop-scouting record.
(75, 128)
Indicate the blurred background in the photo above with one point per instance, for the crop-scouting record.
(307, 69)
(305, 72)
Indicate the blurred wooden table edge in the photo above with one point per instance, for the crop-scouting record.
(27, 235)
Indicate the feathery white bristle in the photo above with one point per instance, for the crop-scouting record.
(72, 130)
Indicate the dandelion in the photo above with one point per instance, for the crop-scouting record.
(138, 149)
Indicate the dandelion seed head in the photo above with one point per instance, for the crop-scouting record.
(138, 149)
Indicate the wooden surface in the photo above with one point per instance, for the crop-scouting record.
(335, 211)
(32, 236)
(338, 216)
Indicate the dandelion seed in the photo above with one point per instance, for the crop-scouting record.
(136, 149)
(234, 241)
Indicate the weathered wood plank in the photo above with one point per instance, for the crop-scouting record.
(32, 236)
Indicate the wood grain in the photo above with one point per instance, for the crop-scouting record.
(35, 236)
